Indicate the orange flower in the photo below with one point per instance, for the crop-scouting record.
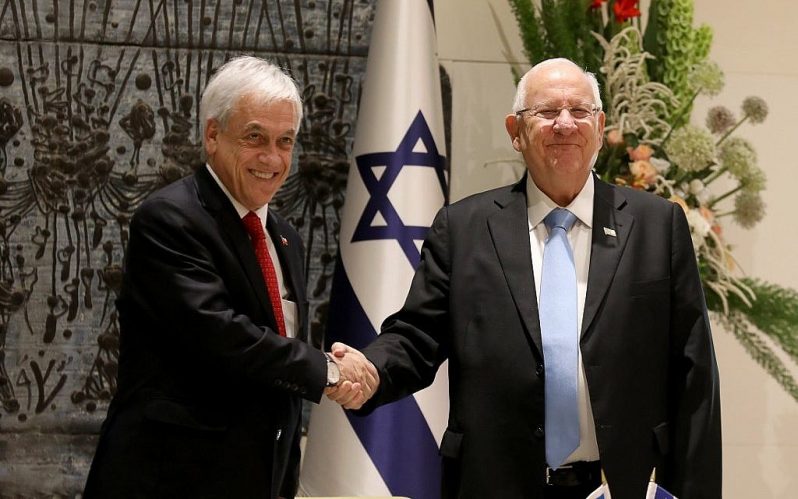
(643, 172)
(614, 138)
(708, 214)
(642, 152)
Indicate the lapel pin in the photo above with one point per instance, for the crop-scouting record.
(609, 232)
(283, 241)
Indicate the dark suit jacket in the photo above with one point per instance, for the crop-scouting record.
(209, 395)
(645, 341)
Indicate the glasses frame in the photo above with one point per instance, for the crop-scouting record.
(594, 109)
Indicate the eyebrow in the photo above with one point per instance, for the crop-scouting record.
(255, 127)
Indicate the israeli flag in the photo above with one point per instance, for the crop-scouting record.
(397, 182)
(603, 492)
(657, 492)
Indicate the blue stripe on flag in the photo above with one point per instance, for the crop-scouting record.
(399, 441)
(396, 436)
(347, 321)
(663, 494)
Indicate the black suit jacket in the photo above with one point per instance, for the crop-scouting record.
(209, 395)
(645, 342)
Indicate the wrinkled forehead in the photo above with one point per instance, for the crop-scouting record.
(559, 85)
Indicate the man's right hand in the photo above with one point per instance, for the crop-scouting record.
(359, 379)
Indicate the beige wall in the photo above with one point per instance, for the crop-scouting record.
(757, 46)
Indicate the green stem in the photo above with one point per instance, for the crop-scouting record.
(721, 198)
(717, 173)
(731, 130)
(681, 177)
(679, 116)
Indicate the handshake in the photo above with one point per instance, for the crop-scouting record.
(358, 378)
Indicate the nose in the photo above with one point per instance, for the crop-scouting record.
(268, 154)
(564, 123)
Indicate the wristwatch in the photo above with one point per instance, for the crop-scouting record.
(333, 373)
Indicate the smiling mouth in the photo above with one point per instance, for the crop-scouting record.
(262, 175)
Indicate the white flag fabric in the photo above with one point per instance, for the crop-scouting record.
(603, 492)
(396, 184)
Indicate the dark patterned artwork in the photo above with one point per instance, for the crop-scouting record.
(98, 107)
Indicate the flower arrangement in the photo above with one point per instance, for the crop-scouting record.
(649, 81)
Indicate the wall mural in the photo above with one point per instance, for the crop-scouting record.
(98, 106)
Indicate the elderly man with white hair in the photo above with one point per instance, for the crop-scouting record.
(573, 318)
(214, 360)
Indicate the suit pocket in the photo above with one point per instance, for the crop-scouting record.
(662, 438)
(451, 443)
(652, 287)
(176, 414)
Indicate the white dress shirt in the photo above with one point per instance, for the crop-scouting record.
(538, 206)
(289, 307)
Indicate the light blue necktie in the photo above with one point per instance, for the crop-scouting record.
(560, 339)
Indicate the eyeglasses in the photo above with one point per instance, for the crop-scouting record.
(578, 112)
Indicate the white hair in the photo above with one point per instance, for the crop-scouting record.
(519, 102)
(246, 76)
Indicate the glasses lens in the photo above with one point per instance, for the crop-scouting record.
(545, 113)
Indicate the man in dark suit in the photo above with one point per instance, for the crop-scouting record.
(644, 379)
(214, 360)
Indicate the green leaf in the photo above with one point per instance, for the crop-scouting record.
(760, 352)
(531, 30)
(657, 24)
(562, 42)
(774, 312)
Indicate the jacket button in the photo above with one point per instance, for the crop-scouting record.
(539, 370)
(539, 431)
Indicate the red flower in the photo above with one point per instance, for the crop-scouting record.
(625, 9)
(597, 4)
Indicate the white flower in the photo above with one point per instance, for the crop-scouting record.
(696, 186)
(704, 196)
(660, 164)
(699, 228)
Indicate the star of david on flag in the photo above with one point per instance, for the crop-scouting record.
(396, 184)
(378, 188)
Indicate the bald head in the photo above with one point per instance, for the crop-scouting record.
(559, 64)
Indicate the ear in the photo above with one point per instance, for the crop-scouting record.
(511, 125)
(212, 130)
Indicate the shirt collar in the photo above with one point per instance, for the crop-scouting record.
(539, 204)
(262, 212)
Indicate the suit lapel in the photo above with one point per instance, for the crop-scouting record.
(611, 228)
(291, 266)
(509, 229)
(232, 229)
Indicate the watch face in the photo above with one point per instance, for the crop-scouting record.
(333, 374)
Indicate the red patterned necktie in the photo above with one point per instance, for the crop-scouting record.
(258, 237)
